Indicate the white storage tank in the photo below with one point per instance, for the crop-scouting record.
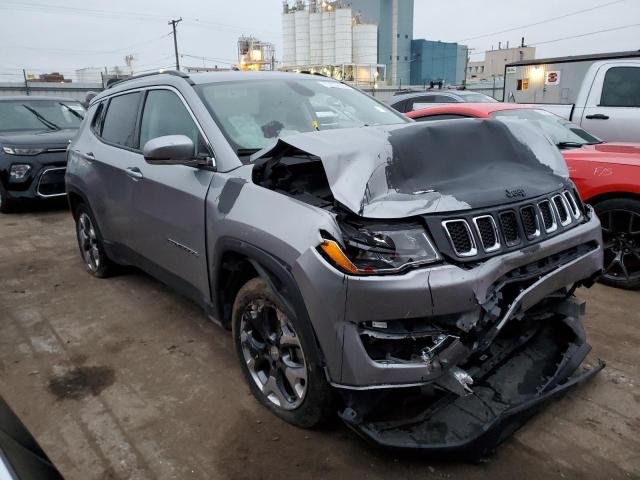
(302, 37)
(315, 37)
(344, 39)
(365, 44)
(328, 38)
(288, 39)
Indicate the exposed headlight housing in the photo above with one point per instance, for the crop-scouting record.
(381, 250)
(22, 151)
(18, 172)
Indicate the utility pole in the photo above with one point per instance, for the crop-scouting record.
(173, 23)
(26, 84)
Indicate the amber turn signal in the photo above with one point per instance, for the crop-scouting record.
(337, 256)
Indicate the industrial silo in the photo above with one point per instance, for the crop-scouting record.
(315, 37)
(302, 37)
(328, 38)
(343, 36)
(288, 39)
(365, 44)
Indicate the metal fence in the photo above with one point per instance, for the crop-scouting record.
(75, 91)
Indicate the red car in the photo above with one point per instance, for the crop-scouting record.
(607, 176)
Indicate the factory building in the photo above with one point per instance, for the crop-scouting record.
(254, 54)
(437, 62)
(495, 60)
(364, 41)
(395, 33)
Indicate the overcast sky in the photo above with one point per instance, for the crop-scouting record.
(63, 35)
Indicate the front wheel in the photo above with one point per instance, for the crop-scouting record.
(277, 359)
(620, 219)
(90, 243)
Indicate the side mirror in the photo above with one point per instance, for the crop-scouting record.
(169, 150)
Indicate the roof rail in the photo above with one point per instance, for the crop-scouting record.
(177, 73)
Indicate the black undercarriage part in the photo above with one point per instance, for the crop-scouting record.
(530, 363)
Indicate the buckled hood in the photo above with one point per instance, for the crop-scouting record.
(410, 169)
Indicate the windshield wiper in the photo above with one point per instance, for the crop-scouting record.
(569, 144)
(37, 114)
(244, 152)
(73, 112)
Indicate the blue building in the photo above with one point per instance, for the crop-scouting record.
(437, 61)
(394, 37)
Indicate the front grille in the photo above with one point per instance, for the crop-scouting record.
(461, 238)
(486, 228)
(530, 221)
(548, 219)
(573, 205)
(509, 224)
(51, 182)
(479, 234)
(563, 212)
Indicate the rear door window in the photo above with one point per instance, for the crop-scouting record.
(621, 87)
(119, 125)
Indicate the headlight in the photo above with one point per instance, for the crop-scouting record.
(22, 151)
(18, 172)
(374, 251)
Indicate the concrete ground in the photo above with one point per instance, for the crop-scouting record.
(122, 378)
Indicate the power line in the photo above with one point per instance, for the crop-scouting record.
(552, 19)
(89, 52)
(587, 34)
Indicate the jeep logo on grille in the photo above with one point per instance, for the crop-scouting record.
(515, 192)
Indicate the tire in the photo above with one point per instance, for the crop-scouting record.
(620, 218)
(279, 357)
(6, 204)
(90, 244)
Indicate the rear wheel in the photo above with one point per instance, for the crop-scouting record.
(277, 359)
(90, 243)
(620, 219)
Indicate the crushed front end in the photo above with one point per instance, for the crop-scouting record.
(443, 302)
(498, 336)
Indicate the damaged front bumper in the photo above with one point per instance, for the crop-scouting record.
(528, 365)
(452, 359)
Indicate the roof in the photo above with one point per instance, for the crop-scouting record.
(171, 77)
(37, 97)
(422, 93)
(472, 109)
(577, 58)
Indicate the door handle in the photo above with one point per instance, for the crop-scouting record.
(134, 172)
(598, 116)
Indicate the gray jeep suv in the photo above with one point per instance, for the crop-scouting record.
(417, 278)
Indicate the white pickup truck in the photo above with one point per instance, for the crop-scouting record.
(602, 95)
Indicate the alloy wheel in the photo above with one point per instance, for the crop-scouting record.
(621, 238)
(88, 241)
(273, 354)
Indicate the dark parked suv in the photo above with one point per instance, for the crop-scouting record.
(418, 278)
(34, 135)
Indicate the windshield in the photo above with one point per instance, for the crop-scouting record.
(35, 115)
(562, 132)
(253, 114)
(477, 98)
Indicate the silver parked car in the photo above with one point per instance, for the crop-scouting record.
(411, 101)
(417, 278)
